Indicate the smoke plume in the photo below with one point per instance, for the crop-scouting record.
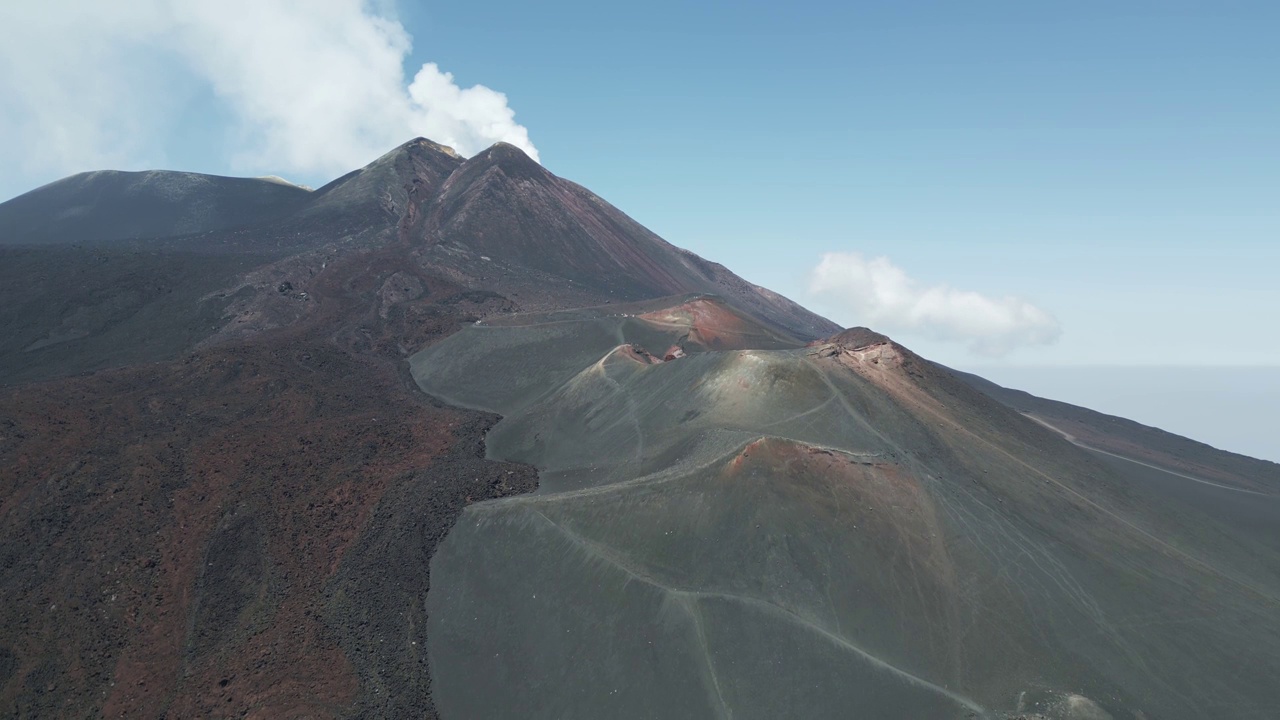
(312, 88)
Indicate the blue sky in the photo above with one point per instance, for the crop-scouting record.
(1097, 183)
(1118, 164)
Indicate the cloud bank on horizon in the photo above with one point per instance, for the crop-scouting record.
(879, 294)
(314, 88)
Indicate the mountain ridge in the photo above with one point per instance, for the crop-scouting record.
(406, 196)
(449, 431)
(109, 205)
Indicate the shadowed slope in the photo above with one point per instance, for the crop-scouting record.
(69, 309)
(65, 310)
(217, 259)
(110, 205)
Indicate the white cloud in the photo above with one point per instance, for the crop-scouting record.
(314, 87)
(877, 293)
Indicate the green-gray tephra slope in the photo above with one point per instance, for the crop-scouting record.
(765, 530)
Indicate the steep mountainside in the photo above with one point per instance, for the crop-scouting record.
(523, 230)
(497, 223)
(456, 438)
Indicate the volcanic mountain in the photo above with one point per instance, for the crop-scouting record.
(457, 438)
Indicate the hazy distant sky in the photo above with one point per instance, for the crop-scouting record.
(1232, 409)
(993, 183)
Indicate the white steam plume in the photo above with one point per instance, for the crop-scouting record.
(315, 88)
(879, 294)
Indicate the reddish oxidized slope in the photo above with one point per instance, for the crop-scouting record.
(713, 325)
(175, 534)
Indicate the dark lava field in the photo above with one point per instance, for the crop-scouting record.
(455, 438)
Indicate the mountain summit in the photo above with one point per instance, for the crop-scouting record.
(497, 222)
(456, 438)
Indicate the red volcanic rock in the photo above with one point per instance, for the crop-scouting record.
(178, 538)
(714, 325)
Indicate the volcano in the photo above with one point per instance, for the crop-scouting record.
(457, 438)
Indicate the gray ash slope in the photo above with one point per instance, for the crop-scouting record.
(839, 529)
(743, 511)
